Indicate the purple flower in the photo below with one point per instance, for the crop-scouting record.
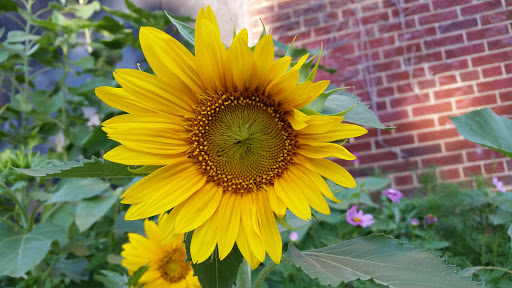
(498, 184)
(429, 220)
(393, 195)
(293, 236)
(356, 218)
(415, 222)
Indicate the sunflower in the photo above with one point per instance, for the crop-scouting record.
(166, 261)
(233, 147)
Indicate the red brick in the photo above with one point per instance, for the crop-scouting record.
(370, 7)
(377, 157)
(374, 18)
(432, 108)
(403, 180)
(404, 88)
(310, 9)
(492, 85)
(422, 33)
(400, 166)
(272, 18)
(438, 135)
(428, 57)
(303, 35)
(340, 51)
(480, 7)
(450, 173)
(285, 28)
(503, 110)
(426, 84)
(472, 170)
(495, 167)
(385, 92)
(464, 50)
(404, 75)
(311, 22)
(492, 71)
(396, 26)
(328, 29)
(291, 4)
(444, 120)
(387, 66)
(404, 101)
(380, 42)
(496, 17)
(458, 145)
(348, 13)
(509, 165)
(448, 66)
(444, 41)
(454, 92)
(447, 80)
(443, 4)
(458, 25)
(506, 96)
(339, 3)
(415, 125)
(483, 154)
(422, 150)
(399, 50)
(443, 160)
(382, 106)
(411, 10)
(264, 10)
(331, 16)
(438, 17)
(394, 115)
(469, 76)
(395, 141)
(476, 101)
(499, 43)
(487, 33)
(357, 146)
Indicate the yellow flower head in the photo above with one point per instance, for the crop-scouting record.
(166, 261)
(235, 150)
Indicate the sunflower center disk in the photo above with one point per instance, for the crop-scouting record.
(242, 140)
(173, 267)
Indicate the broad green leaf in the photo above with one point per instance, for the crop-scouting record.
(111, 279)
(22, 252)
(77, 189)
(20, 103)
(137, 275)
(4, 54)
(86, 11)
(76, 269)
(382, 259)
(88, 87)
(83, 169)
(8, 6)
(185, 30)
(486, 128)
(317, 105)
(124, 226)
(213, 272)
(88, 211)
(20, 36)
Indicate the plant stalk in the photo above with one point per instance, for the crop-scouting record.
(243, 279)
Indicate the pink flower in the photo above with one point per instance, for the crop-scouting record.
(429, 220)
(293, 236)
(498, 184)
(357, 218)
(415, 222)
(393, 195)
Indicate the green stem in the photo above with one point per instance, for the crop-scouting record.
(25, 61)
(243, 279)
(264, 273)
(494, 268)
(47, 273)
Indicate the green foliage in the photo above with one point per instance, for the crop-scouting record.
(379, 258)
(486, 128)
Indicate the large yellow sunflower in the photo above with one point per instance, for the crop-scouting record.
(224, 125)
(166, 261)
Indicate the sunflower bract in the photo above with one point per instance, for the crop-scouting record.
(224, 125)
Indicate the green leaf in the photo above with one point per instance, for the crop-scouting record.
(264, 31)
(20, 103)
(137, 275)
(77, 189)
(86, 11)
(380, 258)
(213, 272)
(83, 169)
(22, 252)
(4, 54)
(291, 222)
(486, 128)
(8, 6)
(75, 269)
(185, 30)
(43, 103)
(312, 75)
(112, 279)
(509, 232)
(317, 105)
(88, 211)
(17, 36)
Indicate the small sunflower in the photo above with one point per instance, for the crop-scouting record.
(166, 261)
(224, 125)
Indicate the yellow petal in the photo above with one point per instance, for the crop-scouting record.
(268, 226)
(275, 202)
(167, 223)
(341, 131)
(324, 150)
(152, 140)
(289, 192)
(150, 89)
(308, 188)
(300, 97)
(169, 58)
(250, 225)
(120, 99)
(124, 155)
(297, 119)
(243, 63)
(299, 63)
(153, 120)
(264, 52)
(243, 245)
(204, 239)
(277, 69)
(321, 124)
(318, 181)
(228, 222)
(163, 189)
(199, 207)
(283, 84)
(329, 170)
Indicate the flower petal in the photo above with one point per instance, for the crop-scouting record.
(341, 131)
(303, 93)
(250, 226)
(119, 98)
(124, 155)
(228, 222)
(324, 150)
(329, 170)
(312, 192)
(290, 193)
(204, 239)
(297, 119)
(319, 182)
(243, 63)
(269, 231)
(264, 52)
(199, 207)
(243, 245)
(276, 204)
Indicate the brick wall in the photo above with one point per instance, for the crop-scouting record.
(417, 63)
